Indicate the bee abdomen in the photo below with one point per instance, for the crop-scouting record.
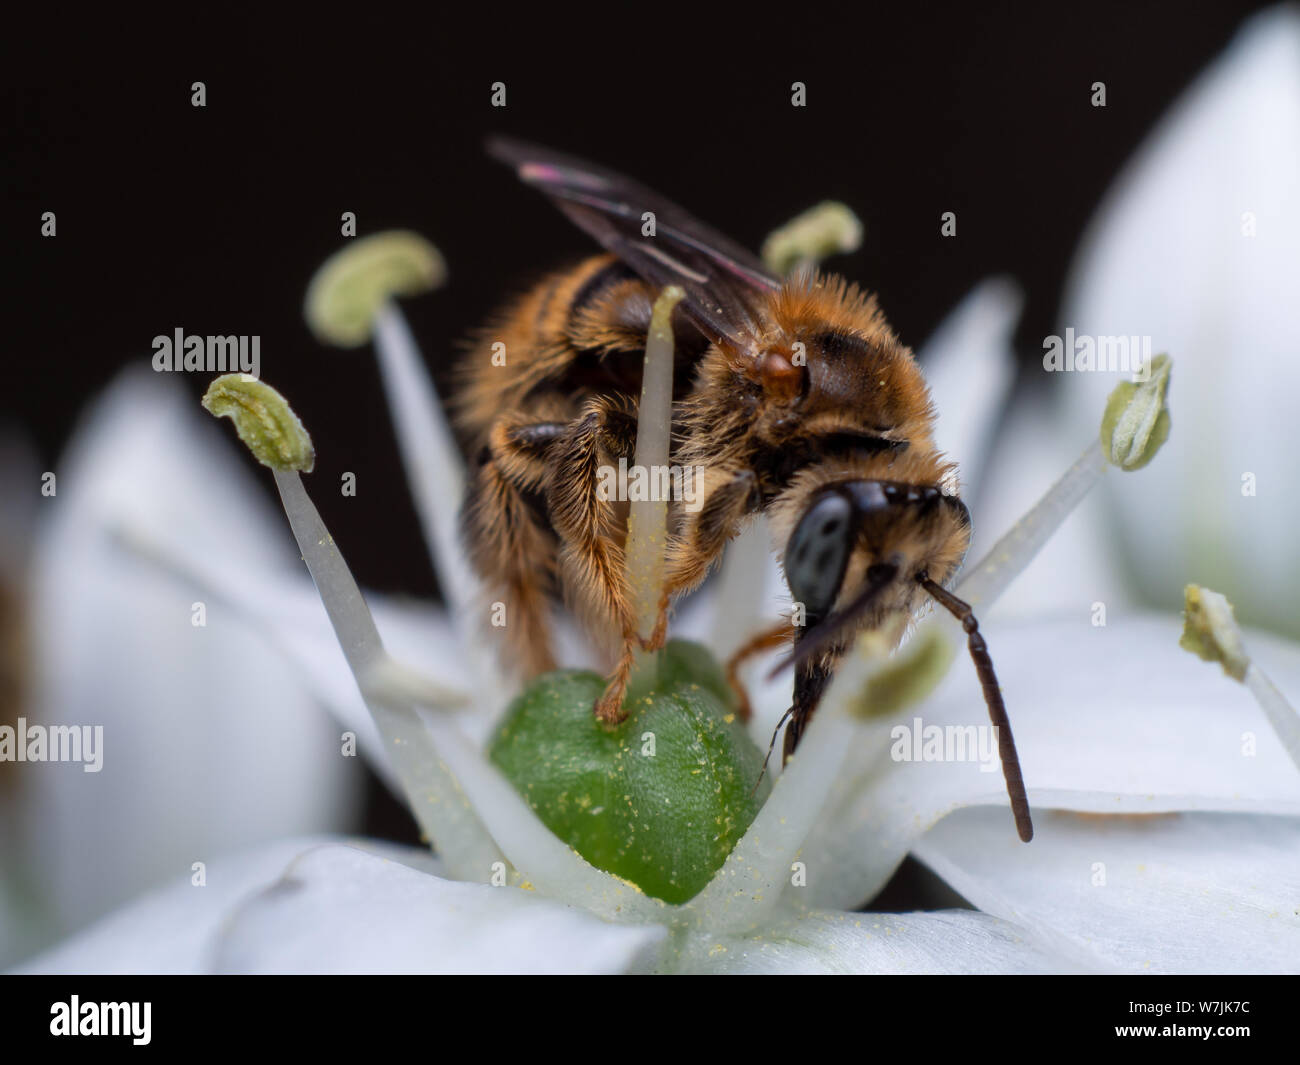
(599, 282)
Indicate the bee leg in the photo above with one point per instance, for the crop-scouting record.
(763, 641)
(659, 634)
(509, 537)
(705, 533)
(591, 552)
(703, 537)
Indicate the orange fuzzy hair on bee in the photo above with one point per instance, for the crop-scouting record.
(817, 305)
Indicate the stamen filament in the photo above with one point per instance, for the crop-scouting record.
(435, 475)
(1009, 557)
(436, 798)
(749, 885)
(647, 529)
(1135, 423)
(453, 792)
(433, 465)
(1281, 714)
(452, 806)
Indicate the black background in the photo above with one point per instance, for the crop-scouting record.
(214, 219)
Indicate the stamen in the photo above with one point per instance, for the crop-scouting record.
(266, 425)
(1210, 631)
(747, 888)
(1135, 424)
(435, 797)
(393, 681)
(351, 299)
(434, 470)
(453, 793)
(647, 535)
(347, 291)
(1136, 421)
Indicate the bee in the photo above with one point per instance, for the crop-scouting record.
(794, 398)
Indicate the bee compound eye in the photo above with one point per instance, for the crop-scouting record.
(817, 554)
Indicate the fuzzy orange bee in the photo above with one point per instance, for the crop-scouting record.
(793, 397)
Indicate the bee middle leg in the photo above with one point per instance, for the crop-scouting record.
(764, 641)
(591, 552)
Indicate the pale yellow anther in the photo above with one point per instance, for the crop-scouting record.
(906, 678)
(1136, 421)
(830, 228)
(349, 288)
(264, 420)
(1210, 631)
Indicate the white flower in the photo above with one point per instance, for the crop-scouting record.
(843, 809)
(1167, 812)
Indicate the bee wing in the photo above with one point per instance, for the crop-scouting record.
(723, 282)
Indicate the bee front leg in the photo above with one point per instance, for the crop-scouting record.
(591, 532)
(728, 496)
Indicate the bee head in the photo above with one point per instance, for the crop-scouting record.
(858, 549)
(861, 550)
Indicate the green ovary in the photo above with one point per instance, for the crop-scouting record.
(659, 800)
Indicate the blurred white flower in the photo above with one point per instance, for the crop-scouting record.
(1195, 247)
(210, 740)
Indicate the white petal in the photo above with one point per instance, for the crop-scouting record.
(1180, 893)
(210, 742)
(970, 367)
(824, 941)
(1166, 257)
(173, 929)
(1113, 718)
(339, 910)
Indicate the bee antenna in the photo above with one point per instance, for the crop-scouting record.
(825, 632)
(979, 653)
